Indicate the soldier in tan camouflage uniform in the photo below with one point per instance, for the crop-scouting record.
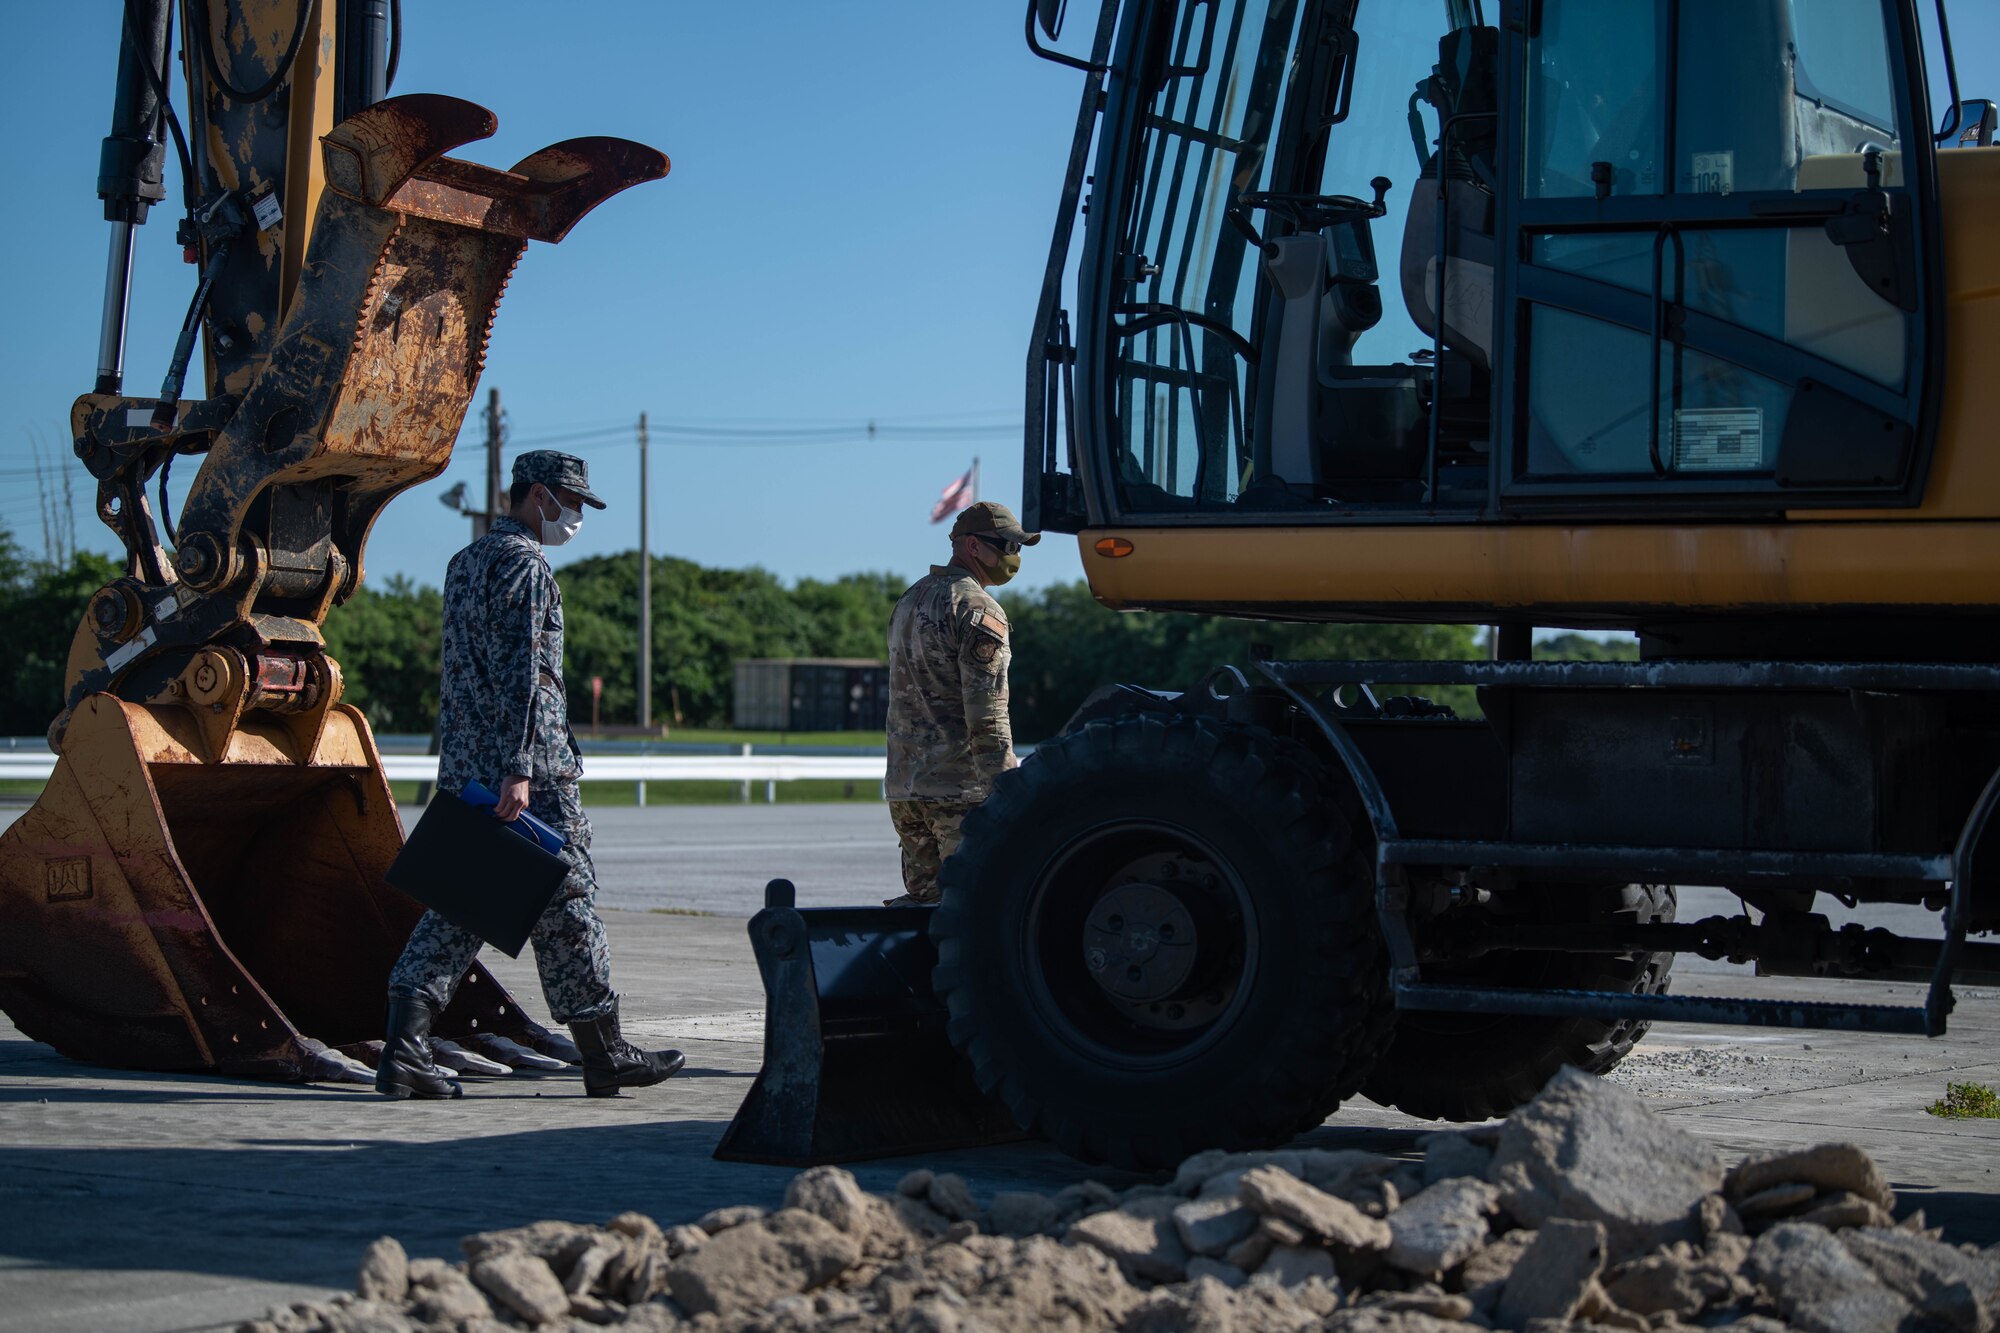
(949, 736)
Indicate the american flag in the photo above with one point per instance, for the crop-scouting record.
(957, 495)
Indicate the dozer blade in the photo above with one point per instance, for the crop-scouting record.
(162, 912)
(856, 1062)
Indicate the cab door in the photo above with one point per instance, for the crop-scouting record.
(1721, 270)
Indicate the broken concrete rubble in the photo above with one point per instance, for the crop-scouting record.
(1211, 1226)
(1140, 1237)
(1820, 1287)
(1586, 1149)
(1277, 1194)
(1442, 1226)
(1582, 1212)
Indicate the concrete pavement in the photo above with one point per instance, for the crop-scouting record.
(148, 1202)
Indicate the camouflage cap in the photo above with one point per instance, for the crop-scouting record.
(994, 517)
(555, 469)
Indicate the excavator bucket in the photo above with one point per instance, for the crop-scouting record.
(162, 912)
(856, 1062)
(200, 885)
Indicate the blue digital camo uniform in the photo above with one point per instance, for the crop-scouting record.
(502, 711)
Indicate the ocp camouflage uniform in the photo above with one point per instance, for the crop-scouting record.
(949, 735)
(501, 712)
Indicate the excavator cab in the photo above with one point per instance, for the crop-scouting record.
(1366, 263)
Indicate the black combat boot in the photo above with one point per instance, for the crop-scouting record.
(406, 1069)
(610, 1062)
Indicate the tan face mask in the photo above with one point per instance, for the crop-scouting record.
(995, 565)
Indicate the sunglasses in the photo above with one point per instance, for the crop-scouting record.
(1004, 545)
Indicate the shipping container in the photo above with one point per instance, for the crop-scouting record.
(810, 694)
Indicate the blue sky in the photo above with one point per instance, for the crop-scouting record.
(854, 229)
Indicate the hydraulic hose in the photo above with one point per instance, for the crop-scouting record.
(206, 41)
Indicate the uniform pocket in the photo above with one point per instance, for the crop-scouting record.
(555, 757)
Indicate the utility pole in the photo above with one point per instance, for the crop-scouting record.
(482, 521)
(645, 595)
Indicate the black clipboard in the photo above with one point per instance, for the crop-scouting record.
(476, 873)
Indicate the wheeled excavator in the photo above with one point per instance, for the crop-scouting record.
(201, 884)
(1661, 317)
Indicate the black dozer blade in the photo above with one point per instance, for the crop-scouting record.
(856, 1062)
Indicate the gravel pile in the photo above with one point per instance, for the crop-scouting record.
(1701, 1069)
(1582, 1211)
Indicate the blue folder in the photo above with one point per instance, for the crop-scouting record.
(534, 830)
(481, 875)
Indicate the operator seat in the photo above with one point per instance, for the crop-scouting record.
(1462, 86)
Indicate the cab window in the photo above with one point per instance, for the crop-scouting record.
(1666, 343)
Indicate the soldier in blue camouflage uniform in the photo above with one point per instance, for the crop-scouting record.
(949, 734)
(503, 720)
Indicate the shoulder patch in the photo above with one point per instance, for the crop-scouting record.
(988, 621)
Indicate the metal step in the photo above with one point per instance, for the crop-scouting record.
(1425, 997)
(1658, 674)
(1688, 865)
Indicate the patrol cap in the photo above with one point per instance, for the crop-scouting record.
(556, 469)
(994, 517)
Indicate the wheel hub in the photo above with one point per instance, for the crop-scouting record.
(1139, 943)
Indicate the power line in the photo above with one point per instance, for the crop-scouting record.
(1000, 415)
(538, 441)
(724, 431)
(850, 435)
(869, 429)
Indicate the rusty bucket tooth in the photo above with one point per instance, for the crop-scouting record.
(856, 1062)
(572, 177)
(372, 153)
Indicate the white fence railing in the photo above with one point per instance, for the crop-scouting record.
(769, 769)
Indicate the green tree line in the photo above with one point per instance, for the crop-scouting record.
(386, 639)
(1065, 643)
(41, 602)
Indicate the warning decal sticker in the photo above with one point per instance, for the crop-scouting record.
(1718, 439)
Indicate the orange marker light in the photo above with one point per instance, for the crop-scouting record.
(1113, 547)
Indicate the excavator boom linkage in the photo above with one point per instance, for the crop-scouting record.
(200, 885)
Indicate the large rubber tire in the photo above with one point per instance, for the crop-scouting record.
(1476, 1066)
(1266, 996)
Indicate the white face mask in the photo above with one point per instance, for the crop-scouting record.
(557, 530)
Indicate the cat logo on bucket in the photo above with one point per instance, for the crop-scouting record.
(67, 879)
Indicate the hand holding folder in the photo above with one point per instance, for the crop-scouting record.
(534, 830)
(494, 879)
